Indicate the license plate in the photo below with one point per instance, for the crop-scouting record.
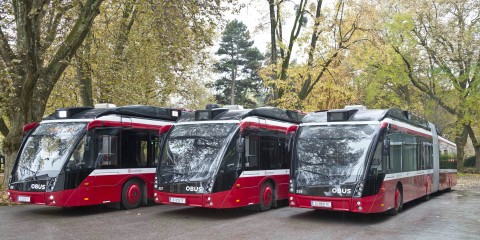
(321, 204)
(23, 199)
(176, 200)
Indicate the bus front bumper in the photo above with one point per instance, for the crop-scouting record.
(223, 199)
(370, 204)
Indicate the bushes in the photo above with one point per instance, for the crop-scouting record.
(469, 162)
(471, 170)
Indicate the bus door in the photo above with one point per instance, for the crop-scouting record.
(107, 162)
(77, 171)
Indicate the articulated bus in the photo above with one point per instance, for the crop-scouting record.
(86, 156)
(223, 158)
(368, 161)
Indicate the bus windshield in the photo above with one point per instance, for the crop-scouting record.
(332, 154)
(46, 149)
(193, 152)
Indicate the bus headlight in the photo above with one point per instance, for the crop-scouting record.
(292, 186)
(358, 190)
(51, 184)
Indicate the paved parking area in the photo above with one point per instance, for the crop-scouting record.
(453, 215)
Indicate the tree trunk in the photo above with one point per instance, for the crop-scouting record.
(34, 79)
(297, 26)
(84, 73)
(232, 95)
(461, 141)
(475, 143)
(273, 47)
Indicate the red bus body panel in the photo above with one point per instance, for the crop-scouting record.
(414, 186)
(245, 191)
(95, 189)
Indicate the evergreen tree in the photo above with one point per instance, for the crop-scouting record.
(239, 64)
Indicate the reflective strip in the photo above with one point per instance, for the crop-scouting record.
(113, 119)
(392, 176)
(106, 172)
(116, 118)
(254, 119)
(207, 122)
(66, 120)
(260, 173)
(447, 141)
(341, 123)
(448, 170)
(407, 126)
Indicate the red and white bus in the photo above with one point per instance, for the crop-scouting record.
(223, 158)
(87, 156)
(368, 161)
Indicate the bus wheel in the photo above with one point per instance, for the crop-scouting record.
(132, 194)
(426, 197)
(266, 197)
(398, 202)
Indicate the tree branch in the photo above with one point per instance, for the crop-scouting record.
(6, 51)
(3, 127)
(422, 87)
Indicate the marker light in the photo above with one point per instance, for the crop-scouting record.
(51, 197)
(360, 208)
(359, 203)
(8, 193)
(291, 198)
(155, 194)
(208, 199)
(62, 114)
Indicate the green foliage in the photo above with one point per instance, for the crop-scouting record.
(239, 65)
(469, 162)
(471, 170)
(146, 52)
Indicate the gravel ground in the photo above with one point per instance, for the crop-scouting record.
(469, 182)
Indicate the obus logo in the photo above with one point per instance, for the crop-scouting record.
(342, 190)
(193, 189)
(37, 186)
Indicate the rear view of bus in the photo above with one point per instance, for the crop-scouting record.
(87, 156)
(368, 161)
(224, 158)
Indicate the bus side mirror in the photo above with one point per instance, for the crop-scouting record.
(240, 145)
(386, 147)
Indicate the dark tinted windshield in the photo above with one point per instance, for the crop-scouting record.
(331, 155)
(46, 149)
(192, 152)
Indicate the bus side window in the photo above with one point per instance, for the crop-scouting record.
(267, 153)
(396, 146)
(251, 159)
(232, 158)
(376, 166)
(106, 146)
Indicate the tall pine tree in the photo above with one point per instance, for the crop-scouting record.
(239, 64)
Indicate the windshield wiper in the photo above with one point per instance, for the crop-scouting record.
(172, 171)
(318, 173)
(30, 170)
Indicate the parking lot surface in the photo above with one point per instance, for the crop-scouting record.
(452, 215)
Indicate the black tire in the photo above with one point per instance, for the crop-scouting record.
(426, 197)
(397, 209)
(132, 194)
(267, 197)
